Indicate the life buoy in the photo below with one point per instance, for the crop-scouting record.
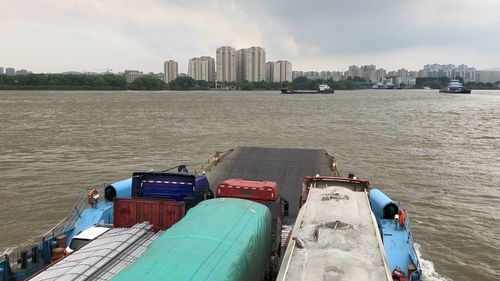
(402, 217)
(91, 197)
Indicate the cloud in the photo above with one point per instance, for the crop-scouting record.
(58, 35)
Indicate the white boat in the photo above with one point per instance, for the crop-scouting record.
(324, 88)
(383, 85)
(455, 87)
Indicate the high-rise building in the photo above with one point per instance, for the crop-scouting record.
(285, 70)
(403, 73)
(311, 74)
(202, 68)
(226, 64)
(380, 73)
(487, 76)
(279, 71)
(354, 71)
(251, 64)
(241, 64)
(131, 75)
(10, 71)
(272, 71)
(334, 75)
(171, 71)
(22, 72)
(392, 73)
(297, 74)
(406, 80)
(368, 72)
(1, 70)
(450, 71)
(413, 73)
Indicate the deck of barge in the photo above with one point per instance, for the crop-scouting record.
(286, 166)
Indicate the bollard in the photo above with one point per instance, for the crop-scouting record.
(24, 259)
(34, 254)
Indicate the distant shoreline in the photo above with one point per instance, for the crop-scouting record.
(112, 82)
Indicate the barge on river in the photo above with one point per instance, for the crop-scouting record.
(244, 233)
(322, 89)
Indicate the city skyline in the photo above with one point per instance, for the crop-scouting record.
(92, 35)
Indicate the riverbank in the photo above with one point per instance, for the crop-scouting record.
(114, 82)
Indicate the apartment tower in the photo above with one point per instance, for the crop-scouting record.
(285, 70)
(226, 64)
(251, 64)
(202, 68)
(171, 70)
(279, 71)
(272, 71)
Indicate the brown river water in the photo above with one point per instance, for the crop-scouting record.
(438, 153)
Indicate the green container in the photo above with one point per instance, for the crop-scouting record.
(219, 239)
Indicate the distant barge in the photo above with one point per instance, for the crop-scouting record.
(322, 89)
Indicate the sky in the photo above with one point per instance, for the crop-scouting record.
(96, 35)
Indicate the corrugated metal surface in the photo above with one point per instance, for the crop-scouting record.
(161, 213)
(102, 258)
(125, 259)
(219, 239)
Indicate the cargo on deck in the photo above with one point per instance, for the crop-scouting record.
(335, 236)
(219, 239)
(103, 257)
(161, 213)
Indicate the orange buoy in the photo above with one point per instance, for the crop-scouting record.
(402, 217)
(91, 197)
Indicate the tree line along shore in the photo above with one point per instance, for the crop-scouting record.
(114, 82)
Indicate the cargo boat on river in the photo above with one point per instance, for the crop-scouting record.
(249, 184)
(322, 89)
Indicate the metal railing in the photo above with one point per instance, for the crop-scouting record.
(14, 255)
(75, 213)
(211, 161)
(333, 165)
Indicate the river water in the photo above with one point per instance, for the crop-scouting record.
(438, 153)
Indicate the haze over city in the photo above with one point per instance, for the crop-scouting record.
(92, 35)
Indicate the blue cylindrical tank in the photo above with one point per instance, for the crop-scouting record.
(119, 189)
(379, 202)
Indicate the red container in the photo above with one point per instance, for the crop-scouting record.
(161, 213)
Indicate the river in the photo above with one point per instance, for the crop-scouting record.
(438, 153)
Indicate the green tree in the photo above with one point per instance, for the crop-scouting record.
(358, 79)
(246, 86)
(63, 81)
(182, 83)
(147, 82)
(302, 83)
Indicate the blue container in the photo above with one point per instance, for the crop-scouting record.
(189, 188)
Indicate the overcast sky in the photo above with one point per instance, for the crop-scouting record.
(93, 35)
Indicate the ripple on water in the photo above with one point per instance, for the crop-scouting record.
(436, 153)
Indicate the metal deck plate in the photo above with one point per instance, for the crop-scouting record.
(286, 166)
